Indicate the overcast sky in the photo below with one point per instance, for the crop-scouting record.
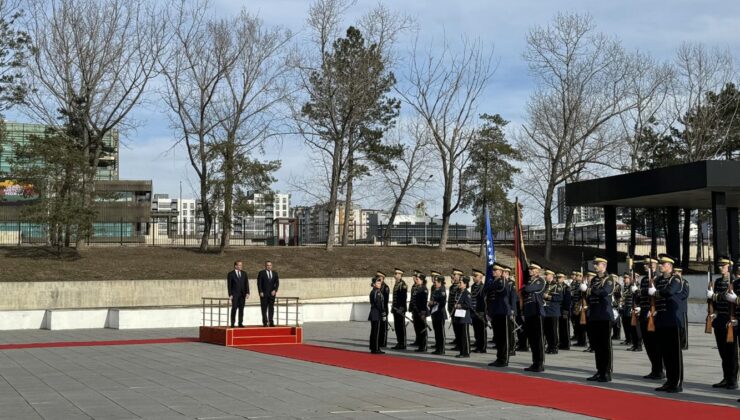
(657, 27)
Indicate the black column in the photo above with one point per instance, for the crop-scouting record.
(610, 238)
(719, 224)
(673, 241)
(733, 233)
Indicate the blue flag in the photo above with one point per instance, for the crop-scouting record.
(490, 252)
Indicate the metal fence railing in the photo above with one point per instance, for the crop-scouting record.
(215, 312)
(287, 311)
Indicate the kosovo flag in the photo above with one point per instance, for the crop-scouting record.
(490, 252)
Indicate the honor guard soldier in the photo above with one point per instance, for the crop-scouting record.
(684, 297)
(600, 319)
(386, 291)
(649, 339)
(461, 316)
(553, 297)
(419, 300)
(437, 304)
(377, 315)
(415, 285)
(400, 293)
(564, 321)
(720, 323)
(617, 324)
(498, 300)
(636, 330)
(513, 307)
(576, 304)
(626, 309)
(534, 311)
(668, 322)
(478, 312)
(452, 298)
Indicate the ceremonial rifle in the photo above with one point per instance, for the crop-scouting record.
(630, 266)
(731, 322)
(583, 296)
(651, 320)
(710, 308)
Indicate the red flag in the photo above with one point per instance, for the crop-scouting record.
(522, 265)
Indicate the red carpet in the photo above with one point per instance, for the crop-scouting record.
(98, 343)
(507, 387)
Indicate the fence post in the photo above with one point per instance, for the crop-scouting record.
(407, 234)
(354, 230)
(19, 233)
(121, 230)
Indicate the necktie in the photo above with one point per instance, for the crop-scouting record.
(269, 274)
(238, 274)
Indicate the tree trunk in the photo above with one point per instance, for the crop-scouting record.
(686, 252)
(348, 203)
(229, 169)
(548, 222)
(333, 191)
(446, 206)
(633, 232)
(392, 218)
(207, 218)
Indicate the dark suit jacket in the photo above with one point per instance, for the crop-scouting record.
(265, 285)
(237, 286)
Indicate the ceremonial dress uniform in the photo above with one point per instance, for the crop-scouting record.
(498, 302)
(438, 313)
(478, 315)
(533, 313)
(376, 317)
(553, 297)
(600, 319)
(564, 320)
(668, 322)
(461, 323)
(400, 292)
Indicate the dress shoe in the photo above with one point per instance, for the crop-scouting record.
(482, 351)
(398, 347)
(241, 326)
(456, 348)
(512, 353)
(437, 352)
(522, 348)
(475, 351)
(462, 356)
(420, 350)
(594, 378)
(674, 390)
(563, 348)
(731, 386)
(498, 363)
(720, 384)
(604, 378)
(534, 368)
(652, 375)
(663, 387)
(377, 352)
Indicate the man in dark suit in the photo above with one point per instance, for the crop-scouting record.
(268, 282)
(238, 287)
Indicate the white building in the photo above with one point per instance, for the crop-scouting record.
(177, 215)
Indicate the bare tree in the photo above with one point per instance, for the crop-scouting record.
(408, 173)
(201, 54)
(582, 84)
(92, 61)
(444, 89)
(699, 71)
(247, 107)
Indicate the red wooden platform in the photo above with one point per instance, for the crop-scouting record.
(251, 336)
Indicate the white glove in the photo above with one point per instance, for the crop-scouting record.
(731, 297)
(710, 293)
(637, 310)
(712, 316)
(583, 287)
(734, 322)
(633, 288)
(651, 291)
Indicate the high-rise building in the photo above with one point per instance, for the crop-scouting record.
(580, 214)
(17, 134)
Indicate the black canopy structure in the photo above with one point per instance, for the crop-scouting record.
(710, 184)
